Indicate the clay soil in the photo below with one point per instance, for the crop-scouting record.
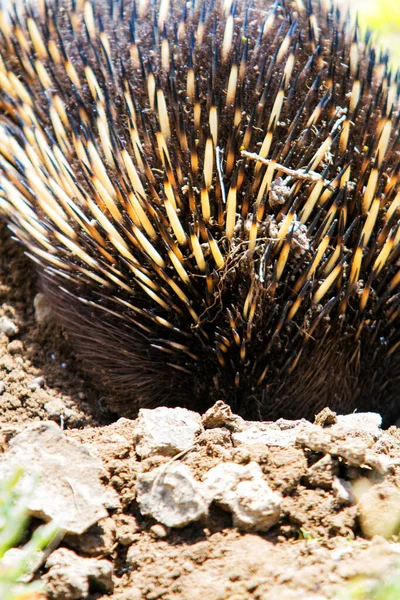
(314, 552)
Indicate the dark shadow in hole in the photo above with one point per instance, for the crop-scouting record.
(46, 347)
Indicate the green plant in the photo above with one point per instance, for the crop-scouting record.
(304, 534)
(14, 494)
(363, 588)
(383, 17)
(383, 14)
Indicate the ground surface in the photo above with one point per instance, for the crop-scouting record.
(315, 548)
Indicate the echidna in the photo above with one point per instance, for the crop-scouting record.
(210, 190)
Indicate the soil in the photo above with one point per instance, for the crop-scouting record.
(313, 552)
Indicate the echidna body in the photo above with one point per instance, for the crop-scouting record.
(211, 193)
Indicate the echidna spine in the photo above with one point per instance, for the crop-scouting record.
(210, 191)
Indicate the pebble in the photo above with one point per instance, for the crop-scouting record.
(367, 422)
(7, 327)
(127, 529)
(36, 383)
(243, 491)
(56, 410)
(280, 434)
(221, 415)
(171, 495)
(15, 347)
(98, 541)
(321, 473)
(158, 531)
(2, 388)
(343, 490)
(165, 431)
(71, 577)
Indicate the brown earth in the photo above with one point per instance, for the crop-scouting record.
(316, 548)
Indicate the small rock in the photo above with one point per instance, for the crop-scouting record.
(71, 577)
(56, 410)
(165, 431)
(321, 473)
(69, 489)
(158, 531)
(343, 490)
(8, 327)
(15, 347)
(36, 383)
(221, 415)
(2, 388)
(127, 528)
(242, 490)
(98, 540)
(359, 422)
(325, 418)
(320, 440)
(43, 313)
(280, 434)
(354, 449)
(171, 495)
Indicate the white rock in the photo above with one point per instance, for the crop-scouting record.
(221, 415)
(36, 383)
(367, 422)
(171, 495)
(8, 327)
(282, 433)
(57, 410)
(242, 490)
(165, 431)
(70, 576)
(343, 490)
(68, 488)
